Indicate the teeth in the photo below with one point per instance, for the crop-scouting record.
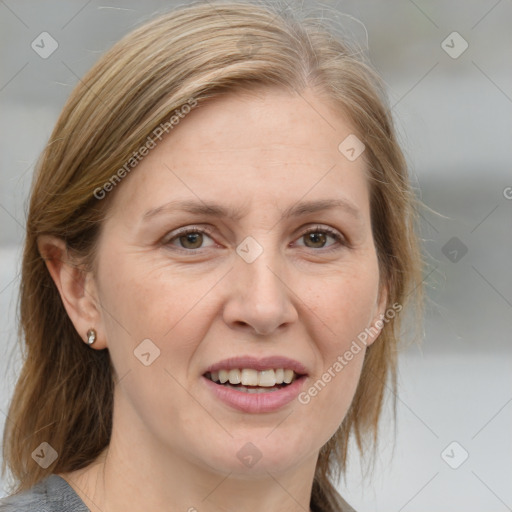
(267, 378)
(251, 390)
(234, 377)
(251, 377)
(288, 376)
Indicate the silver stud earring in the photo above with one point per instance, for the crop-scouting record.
(91, 336)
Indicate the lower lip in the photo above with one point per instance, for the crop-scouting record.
(257, 402)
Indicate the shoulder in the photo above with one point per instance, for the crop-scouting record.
(53, 494)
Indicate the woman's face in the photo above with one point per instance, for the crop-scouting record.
(247, 175)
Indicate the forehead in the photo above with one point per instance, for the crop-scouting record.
(269, 144)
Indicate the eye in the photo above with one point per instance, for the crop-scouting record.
(316, 238)
(190, 238)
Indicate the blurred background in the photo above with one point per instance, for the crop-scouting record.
(447, 68)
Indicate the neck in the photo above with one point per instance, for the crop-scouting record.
(115, 484)
(144, 475)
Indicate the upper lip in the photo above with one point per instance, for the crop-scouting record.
(259, 364)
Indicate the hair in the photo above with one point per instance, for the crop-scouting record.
(64, 393)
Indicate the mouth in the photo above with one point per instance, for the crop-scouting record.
(255, 385)
(249, 380)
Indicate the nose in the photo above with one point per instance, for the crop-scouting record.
(260, 298)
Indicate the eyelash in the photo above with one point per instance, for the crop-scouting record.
(209, 231)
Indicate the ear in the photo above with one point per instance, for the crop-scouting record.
(76, 287)
(378, 315)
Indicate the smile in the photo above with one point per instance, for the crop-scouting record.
(250, 380)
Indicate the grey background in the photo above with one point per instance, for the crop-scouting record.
(454, 117)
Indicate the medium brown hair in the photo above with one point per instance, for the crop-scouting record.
(64, 394)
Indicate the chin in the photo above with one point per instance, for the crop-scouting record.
(259, 454)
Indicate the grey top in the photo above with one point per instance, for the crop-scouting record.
(53, 494)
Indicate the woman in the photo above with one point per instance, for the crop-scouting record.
(219, 244)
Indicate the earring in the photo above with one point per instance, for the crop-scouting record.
(91, 336)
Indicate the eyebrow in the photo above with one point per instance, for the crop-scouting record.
(217, 210)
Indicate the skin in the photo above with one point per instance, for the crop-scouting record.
(174, 446)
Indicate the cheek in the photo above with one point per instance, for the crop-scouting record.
(147, 299)
(152, 334)
(143, 301)
(344, 305)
